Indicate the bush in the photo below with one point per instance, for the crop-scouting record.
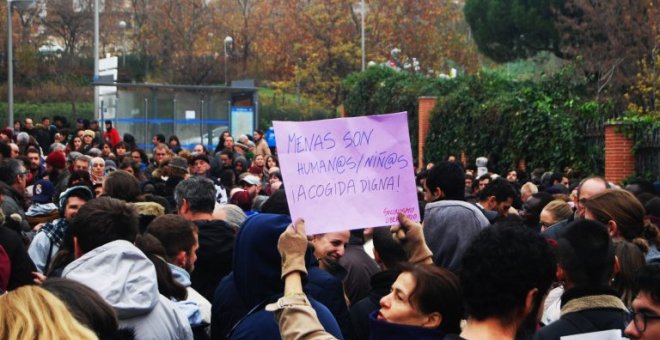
(286, 107)
(543, 123)
(488, 114)
(37, 111)
(381, 90)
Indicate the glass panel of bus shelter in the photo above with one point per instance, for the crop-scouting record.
(216, 118)
(131, 115)
(188, 115)
(162, 113)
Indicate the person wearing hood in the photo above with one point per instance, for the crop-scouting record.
(108, 262)
(49, 239)
(238, 306)
(179, 238)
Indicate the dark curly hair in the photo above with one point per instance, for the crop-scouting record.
(501, 265)
(648, 281)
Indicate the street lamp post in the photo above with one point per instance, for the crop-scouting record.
(10, 59)
(122, 25)
(361, 7)
(96, 58)
(228, 46)
(362, 14)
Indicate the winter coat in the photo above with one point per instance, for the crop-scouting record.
(214, 256)
(21, 267)
(241, 297)
(381, 284)
(587, 310)
(126, 279)
(383, 330)
(449, 226)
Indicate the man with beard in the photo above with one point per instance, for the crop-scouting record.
(36, 167)
(195, 200)
(111, 134)
(179, 237)
(13, 179)
(261, 147)
(56, 170)
(503, 294)
(586, 264)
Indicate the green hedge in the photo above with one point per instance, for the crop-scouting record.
(38, 110)
(286, 107)
(543, 123)
(383, 90)
(489, 114)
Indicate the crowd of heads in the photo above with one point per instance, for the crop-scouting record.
(200, 227)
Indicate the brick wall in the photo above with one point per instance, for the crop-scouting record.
(426, 105)
(619, 159)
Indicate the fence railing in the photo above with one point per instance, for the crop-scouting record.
(647, 155)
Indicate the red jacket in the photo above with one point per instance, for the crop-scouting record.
(112, 136)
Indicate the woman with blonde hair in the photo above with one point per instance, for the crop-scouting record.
(31, 312)
(554, 212)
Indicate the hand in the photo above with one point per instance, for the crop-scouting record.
(38, 227)
(39, 278)
(292, 246)
(410, 235)
(407, 232)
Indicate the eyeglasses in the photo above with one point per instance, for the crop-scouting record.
(640, 320)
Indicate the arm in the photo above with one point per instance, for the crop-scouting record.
(293, 312)
(411, 236)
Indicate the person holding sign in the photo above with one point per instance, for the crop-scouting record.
(425, 302)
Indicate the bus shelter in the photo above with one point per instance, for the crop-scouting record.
(195, 114)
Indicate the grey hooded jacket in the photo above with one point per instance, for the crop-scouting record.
(449, 226)
(126, 279)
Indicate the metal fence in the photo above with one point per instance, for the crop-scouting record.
(647, 153)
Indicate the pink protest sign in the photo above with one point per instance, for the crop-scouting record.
(348, 173)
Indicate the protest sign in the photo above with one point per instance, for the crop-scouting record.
(348, 173)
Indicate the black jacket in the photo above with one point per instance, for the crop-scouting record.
(214, 256)
(381, 283)
(587, 310)
(21, 264)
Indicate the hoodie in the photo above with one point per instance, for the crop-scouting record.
(255, 281)
(449, 226)
(126, 279)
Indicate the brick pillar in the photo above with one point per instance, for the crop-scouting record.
(426, 105)
(619, 159)
(342, 111)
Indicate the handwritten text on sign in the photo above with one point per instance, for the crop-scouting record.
(348, 173)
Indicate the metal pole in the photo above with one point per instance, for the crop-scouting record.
(201, 123)
(96, 57)
(146, 123)
(122, 25)
(364, 59)
(123, 53)
(10, 67)
(226, 58)
(174, 116)
(227, 45)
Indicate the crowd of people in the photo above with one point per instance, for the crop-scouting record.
(101, 239)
